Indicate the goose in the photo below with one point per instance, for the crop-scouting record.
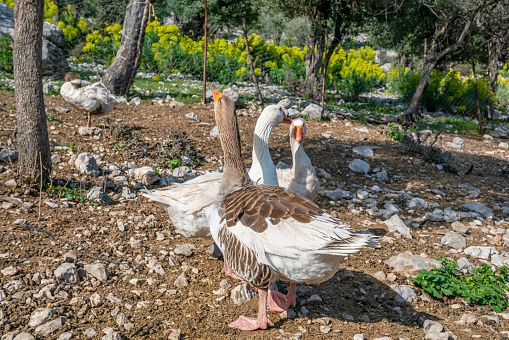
(301, 178)
(267, 232)
(185, 202)
(92, 99)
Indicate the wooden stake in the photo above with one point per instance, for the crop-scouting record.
(205, 59)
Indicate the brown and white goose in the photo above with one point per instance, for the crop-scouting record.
(267, 231)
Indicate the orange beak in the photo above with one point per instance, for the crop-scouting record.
(286, 119)
(297, 132)
(217, 95)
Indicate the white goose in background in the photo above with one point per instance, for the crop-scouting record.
(92, 99)
(267, 231)
(185, 202)
(301, 178)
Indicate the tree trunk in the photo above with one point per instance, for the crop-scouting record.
(413, 111)
(251, 67)
(313, 60)
(120, 75)
(32, 131)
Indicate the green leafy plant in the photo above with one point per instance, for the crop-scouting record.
(395, 132)
(75, 194)
(174, 163)
(6, 61)
(71, 148)
(51, 118)
(305, 117)
(157, 170)
(485, 287)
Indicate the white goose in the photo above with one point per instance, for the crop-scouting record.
(267, 231)
(92, 99)
(301, 178)
(185, 202)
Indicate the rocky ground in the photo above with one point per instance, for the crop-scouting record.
(151, 283)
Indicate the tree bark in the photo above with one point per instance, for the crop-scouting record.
(479, 116)
(314, 60)
(32, 131)
(120, 75)
(205, 57)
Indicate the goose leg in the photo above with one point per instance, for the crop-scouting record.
(261, 322)
(279, 302)
(227, 270)
(89, 121)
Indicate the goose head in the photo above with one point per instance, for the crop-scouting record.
(297, 129)
(73, 78)
(274, 114)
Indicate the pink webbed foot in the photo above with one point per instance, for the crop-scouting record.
(226, 269)
(279, 302)
(250, 324)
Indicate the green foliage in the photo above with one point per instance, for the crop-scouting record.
(51, 118)
(6, 61)
(157, 170)
(395, 132)
(453, 124)
(485, 287)
(74, 194)
(71, 148)
(174, 163)
(403, 81)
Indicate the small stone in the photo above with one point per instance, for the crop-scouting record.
(405, 293)
(409, 263)
(417, 203)
(181, 281)
(112, 336)
(40, 316)
(454, 240)
(359, 166)
(363, 151)
(97, 270)
(65, 336)
(128, 194)
(185, 249)
(96, 300)
(49, 328)
(325, 329)
(135, 101)
(174, 334)
(459, 141)
(315, 297)
(430, 326)
(358, 337)
(285, 103)
(97, 195)
(56, 159)
(478, 208)
(86, 164)
(214, 251)
(90, 332)
(395, 224)
(122, 319)
(466, 319)
(23, 336)
(146, 175)
(9, 271)
(135, 244)
(11, 183)
(70, 257)
(242, 293)
(465, 266)
(193, 116)
(214, 132)
(481, 252)
(67, 273)
(20, 221)
(313, 111)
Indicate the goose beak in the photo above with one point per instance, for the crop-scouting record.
(297, 132)
(217, 95)
(286, 119)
